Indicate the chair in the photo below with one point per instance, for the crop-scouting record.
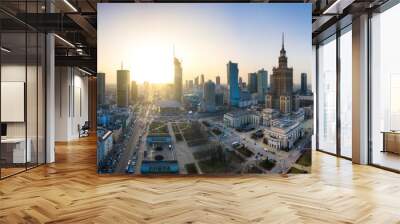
(84, 130)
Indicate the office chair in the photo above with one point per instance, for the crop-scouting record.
(84, 130)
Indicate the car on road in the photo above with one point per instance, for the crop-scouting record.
(235, 144)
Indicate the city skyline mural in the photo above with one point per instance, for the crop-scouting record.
(204, 88)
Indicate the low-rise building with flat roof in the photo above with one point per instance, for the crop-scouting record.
(241, 119)
(283, 133)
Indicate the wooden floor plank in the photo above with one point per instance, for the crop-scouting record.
(70, 191)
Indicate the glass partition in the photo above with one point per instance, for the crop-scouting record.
(22, 77)
(13, 92)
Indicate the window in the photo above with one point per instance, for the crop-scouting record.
(327, 96)
(385, 87)
(346, 93)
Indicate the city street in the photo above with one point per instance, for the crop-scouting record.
(142, 119)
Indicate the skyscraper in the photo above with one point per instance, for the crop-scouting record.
(134, 92)
(233, 85)
(196, 81)
(209, 96)
(240, 82)
(303, 88)
(252, 82)
(123, 82)
(101, 88)
(218, 80)
(190, 84)
(202, 80)
(281, 92)
(178, 80)
(262, 84)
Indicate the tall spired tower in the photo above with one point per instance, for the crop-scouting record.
(281, 92)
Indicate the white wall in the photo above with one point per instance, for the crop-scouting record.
(71, 103)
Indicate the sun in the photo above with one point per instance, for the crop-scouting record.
(151, 62)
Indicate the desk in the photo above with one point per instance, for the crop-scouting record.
(391, 141)
(13, 150)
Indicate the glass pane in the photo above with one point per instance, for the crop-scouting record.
(31, 98)
(13, 86)
(385, 84)
(327, 96)
(346, 94)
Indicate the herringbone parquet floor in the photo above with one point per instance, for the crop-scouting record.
(70, 191)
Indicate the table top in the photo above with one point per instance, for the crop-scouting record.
(391, 132)
(13, 140)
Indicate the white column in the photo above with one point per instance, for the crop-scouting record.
(50, 92)
(360, 90)
(50, 101)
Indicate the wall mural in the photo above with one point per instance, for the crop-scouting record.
(204, 88)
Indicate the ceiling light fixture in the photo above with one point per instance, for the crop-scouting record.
(84, 71)
(337, 7)
(70, 5)
(5, 50)
(64, 40)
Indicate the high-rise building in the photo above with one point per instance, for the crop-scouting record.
(219, 99)
(303, 88)
(281, 91)
(209, 96)
(252, 82)
(233, 85)
(262, 84)
(196, 81)
(191, 84)
(134, 92)
(123, 82)
(101, 88)
(178, 80)
(218, 80)
(240, 82)
(202, 80)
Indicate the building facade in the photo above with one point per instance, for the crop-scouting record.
(209, 97)
(283, 134)
(262, 84)
(281, 91)
(134, 92)
(252, 82)
(101, 88)
(123, 82)
(178, 80)
(241, 119)
(233, 84)
(303, 86)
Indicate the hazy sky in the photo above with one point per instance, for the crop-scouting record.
(205, 36)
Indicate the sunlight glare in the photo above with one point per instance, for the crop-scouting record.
(152, 62)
